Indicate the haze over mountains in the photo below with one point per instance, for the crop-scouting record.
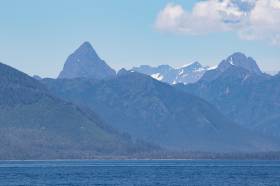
(90, 111)
(158, 113)
(37, 125)
(242, 92)
(236, 60)
(85, 62)
(190, 73)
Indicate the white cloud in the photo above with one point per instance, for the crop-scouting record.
(250, 19)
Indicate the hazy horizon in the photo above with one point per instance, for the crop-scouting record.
(195, 104)
(37, 37)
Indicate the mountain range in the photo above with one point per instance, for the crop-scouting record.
(242, 92)
(37, 125)
(158, 113)
(91, 111)
(186, 74)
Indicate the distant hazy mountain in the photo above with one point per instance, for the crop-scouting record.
(187, 74)
(158, 113)
(85, 62)
(238, 60)
(242, 93)
(37, 77)
(36, 125)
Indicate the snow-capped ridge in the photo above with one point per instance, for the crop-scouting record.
(157, 76)
(194, 64)
(188, 73)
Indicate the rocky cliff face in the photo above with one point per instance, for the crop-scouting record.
(85, 63)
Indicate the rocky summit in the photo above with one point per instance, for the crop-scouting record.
(85, 63)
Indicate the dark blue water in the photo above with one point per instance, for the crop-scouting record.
(168, 172)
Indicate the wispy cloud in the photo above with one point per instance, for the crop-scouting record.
(250, 19)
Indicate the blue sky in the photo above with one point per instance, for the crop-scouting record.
(36, 36)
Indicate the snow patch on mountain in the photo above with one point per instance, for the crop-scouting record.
(185, 74)
(240, 60)
(237, 60)
(157, 76)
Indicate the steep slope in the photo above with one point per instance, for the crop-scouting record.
(36, 125)
(267, 99)
(158, 113)
(231, 93)
(85, 62)
(238, 60)
(187, 74)
(249, 97)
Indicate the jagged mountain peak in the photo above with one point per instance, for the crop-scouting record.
(85, 48)
(86, 44)
(85, 63)
(240, 60)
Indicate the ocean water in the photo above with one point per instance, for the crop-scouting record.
(143, 172)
